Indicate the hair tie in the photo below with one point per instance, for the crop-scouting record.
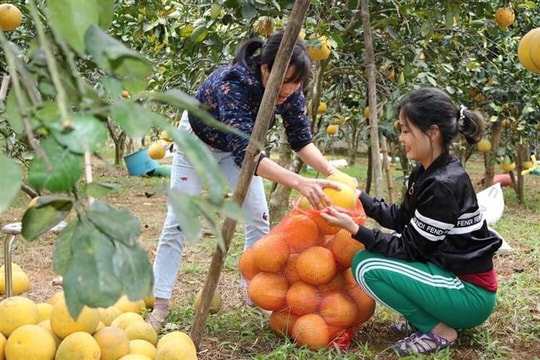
(461, 118)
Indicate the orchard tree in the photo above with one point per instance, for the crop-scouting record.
(65, 85)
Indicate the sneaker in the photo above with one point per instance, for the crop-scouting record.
(420, 343)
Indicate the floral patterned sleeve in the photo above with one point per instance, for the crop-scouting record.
(237, 110)
(295, 120)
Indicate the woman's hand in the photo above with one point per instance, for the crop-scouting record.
(339, 218)
(312, 190)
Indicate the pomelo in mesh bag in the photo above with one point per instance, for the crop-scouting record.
(282, 322)
(316, 265)
(311, 330)
(268, 290)
(303, 275)
(303, 298)
(248, 266)
(270, 253)
(338, 309)
(344, 247)
(289, 271)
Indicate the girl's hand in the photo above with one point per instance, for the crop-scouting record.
(339, 218)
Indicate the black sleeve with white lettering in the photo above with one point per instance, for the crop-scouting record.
(434, 215)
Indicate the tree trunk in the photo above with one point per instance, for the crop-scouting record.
(372, 91)
(387, 169)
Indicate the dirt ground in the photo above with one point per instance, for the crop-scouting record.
(149, 204)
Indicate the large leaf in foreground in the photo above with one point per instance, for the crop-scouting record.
(10, 181)
(59, 172)
(44, 215)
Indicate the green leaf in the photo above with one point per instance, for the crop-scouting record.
(115, 58)
(187, 214)
(132, 266)
(106, 12)
(71, 19)
(13, 112)
(62, 249)
(119, 225)
(10, 181)
(98, 189)
(60, 173)
(45, 214)
(204, 163)
(91, 271)
(134, 119)
(88, 134)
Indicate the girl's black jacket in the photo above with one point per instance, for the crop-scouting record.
(439, 221)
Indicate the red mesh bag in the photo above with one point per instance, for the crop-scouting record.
(301, 272)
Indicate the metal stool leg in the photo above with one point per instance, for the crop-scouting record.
(8, 273)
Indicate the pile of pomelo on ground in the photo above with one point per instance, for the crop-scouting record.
(47, 331)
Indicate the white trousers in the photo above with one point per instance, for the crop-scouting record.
(185, 179)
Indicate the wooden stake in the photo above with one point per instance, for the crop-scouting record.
(261, 126)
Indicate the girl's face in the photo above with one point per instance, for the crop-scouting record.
(423, 147)
(287, 88)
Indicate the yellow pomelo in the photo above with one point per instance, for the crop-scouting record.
(332, 129)
(19, 280)
(142, 331)
(17, 311)
(46, 324)
(345, 197)
(343, 178)
(10, 17)
(100, 326)
(215, 303)
(63, 323)
(142, 347)
(526, 165)
(14, 267)
(79, 345)
(483, 145)
(534, 51)
(124, 304)
(135, 357)
(107, 315)
(318, 49)
(504, 17)
(156, 151)
(507, 167)
(528, 49)
(44, 310)
(2, 346)
(30, 342)
(175, 350)
(123, 320)
(321, 109)
(177, 337)
(113, 342)
(304, 203)
(165, 136)
(57, 296)
(149, 301)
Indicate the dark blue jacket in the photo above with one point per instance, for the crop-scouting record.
(233, 95)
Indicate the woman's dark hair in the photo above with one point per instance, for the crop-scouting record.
(426, 107)
(246, 55)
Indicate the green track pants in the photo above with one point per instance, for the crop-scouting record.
(423, 293)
